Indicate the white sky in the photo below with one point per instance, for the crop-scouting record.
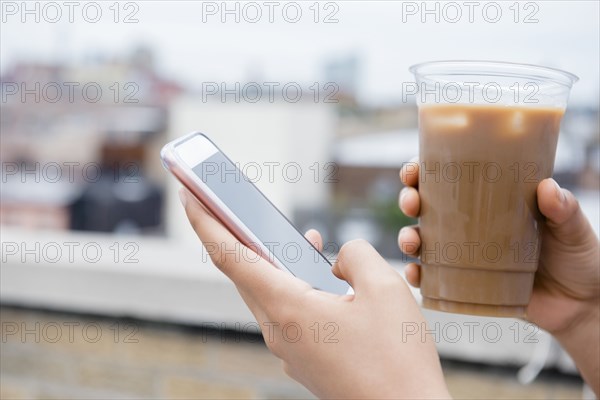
(566, 36)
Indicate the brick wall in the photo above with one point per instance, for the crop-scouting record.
(59, 356)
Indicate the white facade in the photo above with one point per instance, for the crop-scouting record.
(271, 142)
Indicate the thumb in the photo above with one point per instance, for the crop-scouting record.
(565, 220)
(363, 268)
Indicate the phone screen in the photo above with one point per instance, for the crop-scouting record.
(265, 221)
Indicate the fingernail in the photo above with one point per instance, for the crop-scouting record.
(559, 192)
(403, 193)
(183, 197)
(402, 232)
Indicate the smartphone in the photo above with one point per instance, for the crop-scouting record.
(224, 190)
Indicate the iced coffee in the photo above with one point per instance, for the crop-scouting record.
(480, 165)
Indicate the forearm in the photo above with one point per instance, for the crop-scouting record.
(583, 345)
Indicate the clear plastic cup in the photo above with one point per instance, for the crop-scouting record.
(487, 137)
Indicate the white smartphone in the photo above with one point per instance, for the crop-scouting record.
(224, 190)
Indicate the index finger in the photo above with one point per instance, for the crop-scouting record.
(409, 173)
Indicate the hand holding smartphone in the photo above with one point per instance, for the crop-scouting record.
(238, 204)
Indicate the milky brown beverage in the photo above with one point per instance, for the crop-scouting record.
(480, 166)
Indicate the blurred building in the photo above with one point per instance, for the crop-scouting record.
(75, 144)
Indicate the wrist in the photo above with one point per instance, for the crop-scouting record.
(580, 340)
(585, 321)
